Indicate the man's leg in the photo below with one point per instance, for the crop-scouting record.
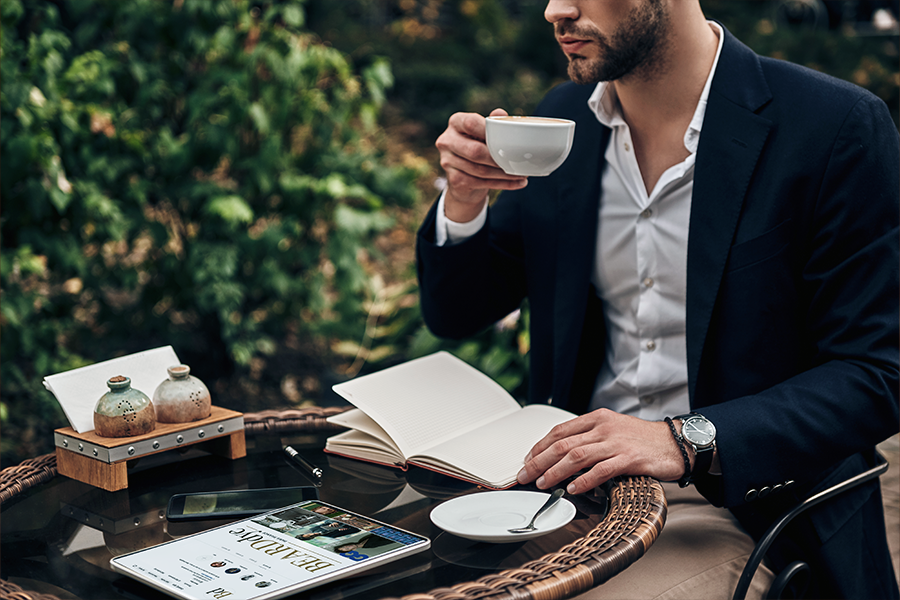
(699, 554)
(890, 490)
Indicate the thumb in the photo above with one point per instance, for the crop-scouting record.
(499, 112)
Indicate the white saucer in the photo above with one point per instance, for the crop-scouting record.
(487, 516)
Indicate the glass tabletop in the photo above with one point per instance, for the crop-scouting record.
(58, 538)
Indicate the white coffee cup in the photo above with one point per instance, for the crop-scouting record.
(529, 146)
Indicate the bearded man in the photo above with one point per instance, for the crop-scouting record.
(712, 277)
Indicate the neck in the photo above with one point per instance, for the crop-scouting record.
(666, 96)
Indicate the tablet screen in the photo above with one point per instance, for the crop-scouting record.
(271, 555)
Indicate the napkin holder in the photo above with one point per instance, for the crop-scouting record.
(103, 462)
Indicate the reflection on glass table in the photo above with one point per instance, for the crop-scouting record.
(58, 537)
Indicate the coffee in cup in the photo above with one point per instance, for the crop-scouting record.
(529, 146)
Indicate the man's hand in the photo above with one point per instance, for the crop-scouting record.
(471, 172)
(605, 444)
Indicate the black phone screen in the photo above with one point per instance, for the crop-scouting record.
(235, 503)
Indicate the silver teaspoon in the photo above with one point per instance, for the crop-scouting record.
(556, 495)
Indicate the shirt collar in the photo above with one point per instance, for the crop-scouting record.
(605, 103)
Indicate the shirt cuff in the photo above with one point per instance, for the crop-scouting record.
(447, 232)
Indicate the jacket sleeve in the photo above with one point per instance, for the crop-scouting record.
(847, 401)
(466, 287)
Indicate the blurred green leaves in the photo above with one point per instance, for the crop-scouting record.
(184, 172)
(233, 210)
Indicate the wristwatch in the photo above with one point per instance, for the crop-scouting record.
(700, 433)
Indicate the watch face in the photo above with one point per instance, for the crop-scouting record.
(698, 431)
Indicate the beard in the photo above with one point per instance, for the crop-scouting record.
(634, 49)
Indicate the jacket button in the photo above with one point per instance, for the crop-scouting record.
(777, 487)
(764, 492)
(750, 496)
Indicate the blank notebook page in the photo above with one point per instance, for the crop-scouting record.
(511, 438)
(427, 400)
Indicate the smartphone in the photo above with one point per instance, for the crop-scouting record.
(235, 503)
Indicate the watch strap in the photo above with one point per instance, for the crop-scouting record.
(702, 460)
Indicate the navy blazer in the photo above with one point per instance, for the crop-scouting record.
(792, 288)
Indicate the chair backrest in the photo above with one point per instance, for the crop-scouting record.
(797, 568)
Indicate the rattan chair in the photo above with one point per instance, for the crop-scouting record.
(636, 516)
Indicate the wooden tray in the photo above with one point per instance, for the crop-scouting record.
(102, 462)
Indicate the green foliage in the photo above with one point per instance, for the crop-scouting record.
(395, 333)
(500, 352)
(196, 173)
(477, 55)
(847, 50)
(450, 55)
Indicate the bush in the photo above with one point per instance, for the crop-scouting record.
(197, 173)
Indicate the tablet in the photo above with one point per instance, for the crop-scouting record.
(272, 555)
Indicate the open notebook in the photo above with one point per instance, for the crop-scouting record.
(440, 413)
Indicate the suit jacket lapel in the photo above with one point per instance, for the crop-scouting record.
(731, 141)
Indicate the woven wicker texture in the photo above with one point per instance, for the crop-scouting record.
(31, 472)
(10, 591)
(636, 516)
(293, 419)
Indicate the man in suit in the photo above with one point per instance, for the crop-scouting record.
(712, 277)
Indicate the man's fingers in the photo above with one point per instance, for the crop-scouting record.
(599, 474)
(462, 181)
(593, 461)
(465, 135)
(465, 174)
(472, 180)
(562, 459)
(455, 143)
(469, 124)
(580, 444)
(467, 161)
(576, 426)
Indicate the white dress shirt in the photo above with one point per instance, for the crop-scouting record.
(640, 267)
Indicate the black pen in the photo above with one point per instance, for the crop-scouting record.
(303, 463)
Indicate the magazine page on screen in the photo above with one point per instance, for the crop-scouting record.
(259, 556)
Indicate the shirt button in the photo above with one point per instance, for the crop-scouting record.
(648, 282)
(645, 214)
(651, 346)
(627, 147)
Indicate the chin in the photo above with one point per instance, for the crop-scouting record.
(580, 72)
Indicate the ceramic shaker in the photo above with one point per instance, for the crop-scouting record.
(181, 398)
(123, 411)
